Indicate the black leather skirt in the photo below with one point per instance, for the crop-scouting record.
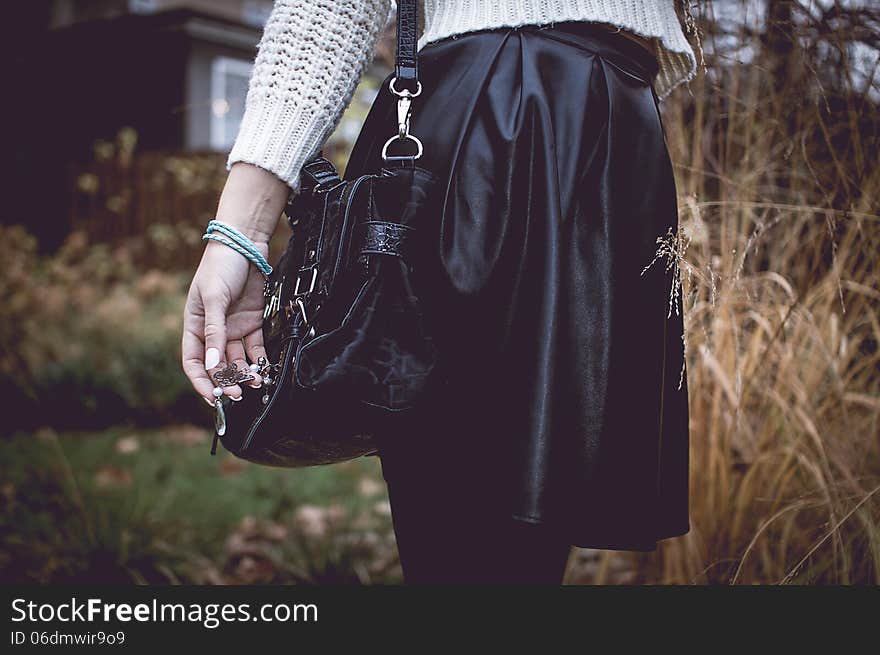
(560, 329)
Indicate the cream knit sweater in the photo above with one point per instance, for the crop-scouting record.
(313, 53)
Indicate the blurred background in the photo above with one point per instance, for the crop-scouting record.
(118, 120)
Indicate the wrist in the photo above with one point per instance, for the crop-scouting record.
(233, 238)
(252, 201)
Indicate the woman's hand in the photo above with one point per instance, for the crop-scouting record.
(224, 306)
(223, 315)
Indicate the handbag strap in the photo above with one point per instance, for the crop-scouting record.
(404, 83)
(406, 67)
(406, 72)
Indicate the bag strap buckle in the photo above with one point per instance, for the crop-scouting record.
(299, 278)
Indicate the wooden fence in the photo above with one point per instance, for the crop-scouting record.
(116, 197)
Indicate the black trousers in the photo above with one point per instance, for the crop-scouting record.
(439, 544)
(450, 523)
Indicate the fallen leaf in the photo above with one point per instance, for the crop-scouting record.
(368, 486)
(187, 435)
(128, 445)
(311, 520)
(231, 466)
(254, 570)
(113, 476)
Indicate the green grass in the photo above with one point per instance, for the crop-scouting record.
(155, 506)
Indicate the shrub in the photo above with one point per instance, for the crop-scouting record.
(88, 339)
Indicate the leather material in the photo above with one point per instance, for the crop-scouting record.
(561, 343)
(385, 238)
(343, 325)
(406, 65)
(361, 350)
(371, 341)
(317, 171)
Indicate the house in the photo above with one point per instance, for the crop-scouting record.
(175, 71)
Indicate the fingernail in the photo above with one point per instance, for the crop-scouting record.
(235, 399)
(212, 358)
(255, 386)
(210, 402)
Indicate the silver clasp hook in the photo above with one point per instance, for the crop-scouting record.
(404, 107)
(404, 104)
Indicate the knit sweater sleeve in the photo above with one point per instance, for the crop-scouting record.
(309, 61)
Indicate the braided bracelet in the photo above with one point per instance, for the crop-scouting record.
(238, 242)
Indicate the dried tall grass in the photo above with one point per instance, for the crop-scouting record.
(779, 189)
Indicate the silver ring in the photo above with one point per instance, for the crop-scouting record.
(405, 91)
(396, 157)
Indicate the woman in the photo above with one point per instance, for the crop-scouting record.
(565, 422)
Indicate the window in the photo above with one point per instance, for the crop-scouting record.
(143, 6)
(229, 85)
(256, 12)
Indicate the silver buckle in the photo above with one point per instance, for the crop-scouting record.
(272, 297)
(302, 310)
(296, 291)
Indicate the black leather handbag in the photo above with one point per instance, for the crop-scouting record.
(343, 323)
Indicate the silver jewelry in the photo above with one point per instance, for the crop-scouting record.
(230, 375)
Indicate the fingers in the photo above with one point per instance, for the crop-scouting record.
(235, 354)
(194, 366)
(215, 330)
(205, 348)
(254, 347)
(253, 355)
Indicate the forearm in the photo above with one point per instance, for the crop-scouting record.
(309, 61)
(252, 201)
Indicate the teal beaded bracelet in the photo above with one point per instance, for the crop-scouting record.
(238, 242)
